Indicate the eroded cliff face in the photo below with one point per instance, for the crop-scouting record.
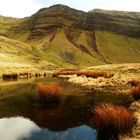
(48, 20)
(125, 23)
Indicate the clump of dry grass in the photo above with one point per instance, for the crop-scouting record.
(134, 83)
(8, 76)
(36, 74)
(93, 74)
(65, 72)
(49, 93)
(135, 92)
(23, 74)
(29, 74)
(112, 121)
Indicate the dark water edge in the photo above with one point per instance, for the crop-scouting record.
(71, 115)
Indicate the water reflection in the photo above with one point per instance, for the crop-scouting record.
(16, 128)
(19, 128)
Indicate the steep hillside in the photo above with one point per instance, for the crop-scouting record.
(70, 38)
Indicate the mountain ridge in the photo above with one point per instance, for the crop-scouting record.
(70, 38)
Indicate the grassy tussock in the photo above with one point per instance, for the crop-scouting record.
(112, 121)
(135, 90)
(39, 75)
(134, 83)
(16, 75)
(93, 74)
(65, 72)
(36, 74)
(8, 76)
(49, 93)
(23, 74)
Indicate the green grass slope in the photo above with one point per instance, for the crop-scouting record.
(18, 55)
(118, 48)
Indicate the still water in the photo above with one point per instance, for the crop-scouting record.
(24, 118)
(19, 128)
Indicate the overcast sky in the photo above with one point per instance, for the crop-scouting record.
(23, 8)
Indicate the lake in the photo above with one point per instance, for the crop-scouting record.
(23, 117)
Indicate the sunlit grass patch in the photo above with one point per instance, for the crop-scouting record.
(49, 93)
(112, 121)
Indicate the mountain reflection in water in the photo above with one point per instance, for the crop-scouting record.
(19, 128)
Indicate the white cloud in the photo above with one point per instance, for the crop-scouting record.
(86, 5)
(126, 5)
(22, 8)
(16, 128)
(71, 3)
(18, 8)
(123, 5)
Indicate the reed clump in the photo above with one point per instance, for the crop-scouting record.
(36, 74)
(93, 74)
(65, 72)
(112, 121)
(134, 83)
(135, 92)
(10, 76)
(23, 74)
(49, 93)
